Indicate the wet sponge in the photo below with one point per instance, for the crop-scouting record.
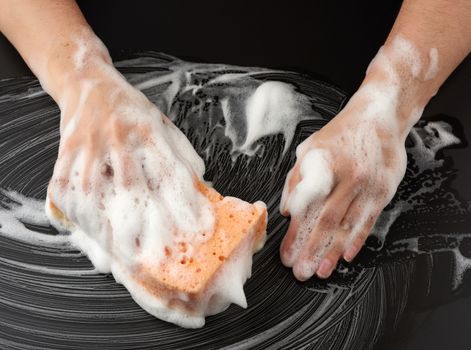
(201, 282)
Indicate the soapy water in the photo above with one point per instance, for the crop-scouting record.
(45, 278)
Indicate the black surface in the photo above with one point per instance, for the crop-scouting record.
(357, 308)
(331, 40)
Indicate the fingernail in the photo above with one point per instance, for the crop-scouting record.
(351, 253)
(325, 268)
(287, 260)
(303, 270)
(287, 257)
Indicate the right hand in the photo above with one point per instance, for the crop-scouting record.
(123, 168)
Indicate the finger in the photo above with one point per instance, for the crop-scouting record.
(287, 253)
(323, 238)
(61, 175)
(328, 262)
(298, 233)
(124, 168)
(304, 268)
(292, 179)
(358, 221)
(61, 182)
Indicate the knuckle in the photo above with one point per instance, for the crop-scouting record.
(359, 176)
(337, 247)
(348, 222)
(382, 193)
(327, 219)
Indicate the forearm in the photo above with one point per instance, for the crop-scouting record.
(427, 42)
(52, 36)
(439, 24)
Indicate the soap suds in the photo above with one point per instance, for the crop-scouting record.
(315, 185)
(21, 210)
(273, 108)
(309, 311)
(267, 107)
(433, 65)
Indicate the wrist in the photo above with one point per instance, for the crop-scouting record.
(402, 100)
(71, 60)
(399, 82)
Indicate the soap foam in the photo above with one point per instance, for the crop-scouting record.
(29, 236)
(316, 183)
(273, 108)
(433, 65)
(365, 290)
(265, 107)
(22, 210)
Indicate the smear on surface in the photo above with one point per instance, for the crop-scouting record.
(52, 296)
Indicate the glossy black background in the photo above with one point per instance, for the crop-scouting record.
(331, 40)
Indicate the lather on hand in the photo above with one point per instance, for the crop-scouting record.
(348, 171)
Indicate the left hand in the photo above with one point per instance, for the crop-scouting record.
(345, 174)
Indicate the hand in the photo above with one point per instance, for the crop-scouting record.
(123, 168)
(345, 174)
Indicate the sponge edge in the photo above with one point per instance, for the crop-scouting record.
(183, 290)
(225, 286)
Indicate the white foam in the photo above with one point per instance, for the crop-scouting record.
(462, 264)
(404, 52)
(270, 108)
(260, 105)
(433, 64)
(80, 55)
(428, 140)
(316, 182)
(26, 210)
(100, 258)
(274, 108)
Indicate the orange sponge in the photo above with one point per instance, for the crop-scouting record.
(238, 226)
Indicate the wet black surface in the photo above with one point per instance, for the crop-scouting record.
(336, 45)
